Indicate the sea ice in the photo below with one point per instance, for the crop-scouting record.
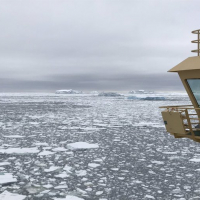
(81, 146)
(62, 175)
(34, 190)
(157, 162)
(46, 153)
(11, 196)
(99, 193)
(149, 197)
(69, 197)
(4, 163)
(13, 136)
(67, 168)
(41, 144)
(195, 160)
(81, 173)
(7, 178)
(51, 169)
(61, 187)
(19, 150)
(59, 149)
(93, 165)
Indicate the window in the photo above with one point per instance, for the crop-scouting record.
(195, 88)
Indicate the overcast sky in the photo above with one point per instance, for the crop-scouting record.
(117, 45)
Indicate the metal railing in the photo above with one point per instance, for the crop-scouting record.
(189, 115)
(197, 42)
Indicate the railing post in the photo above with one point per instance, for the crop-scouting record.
(189, 124)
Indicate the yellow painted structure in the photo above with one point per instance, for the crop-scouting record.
(184, 121)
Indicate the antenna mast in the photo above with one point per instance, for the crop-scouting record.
(197, 41)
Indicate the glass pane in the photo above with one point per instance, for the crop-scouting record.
(195, 87)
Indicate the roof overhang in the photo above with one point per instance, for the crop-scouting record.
(191, 63)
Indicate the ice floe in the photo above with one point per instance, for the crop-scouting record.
(13, 136)
(46, 153)
(195, 160)
(52, 168)
(81, 172)
(93, 165)
(4, 163)
(59, 149)
(67, 168)
(69, 197)
(6, 178)
(81, 146)
(11, 196)
(19, 150)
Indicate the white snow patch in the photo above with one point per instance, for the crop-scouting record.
(149, 197)
(19, 151)
(169, 152)
(93, 165)
(62, 175)
(7, 178)
(59, 149)
(195, 160)
(151, 124)
(11, 196)
(46, 153)
(13, 136)
(41, 144)
(69, 197)
(81, 173)
(81, 191)
(114, 169)
(61, 187)
(51, 169)
(67, 168)
(81, 146)
(4, 163)
(157, 162)
(99, 193)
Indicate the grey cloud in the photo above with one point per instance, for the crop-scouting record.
(123, 82)
(41, 40)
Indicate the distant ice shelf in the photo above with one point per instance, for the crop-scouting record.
(70, 91)
(140, 92)
(148, 98)
(109, 94)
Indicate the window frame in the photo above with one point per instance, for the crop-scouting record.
(186, 80)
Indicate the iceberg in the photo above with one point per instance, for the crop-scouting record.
(70, 91)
